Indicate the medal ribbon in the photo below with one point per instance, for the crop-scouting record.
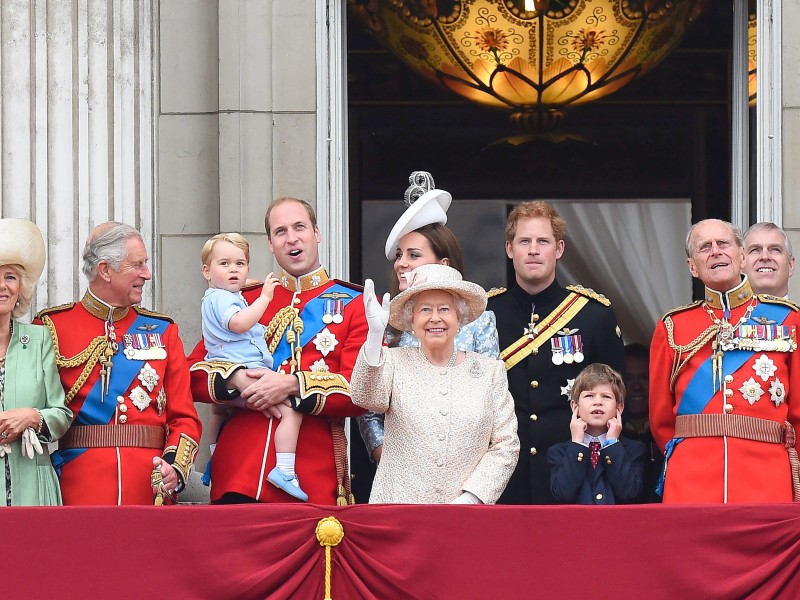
(94, 410)
(550, 325)
(312, 322)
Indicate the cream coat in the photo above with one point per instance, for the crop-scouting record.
(448, 430)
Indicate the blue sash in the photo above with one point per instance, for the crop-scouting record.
(312, 321)
(701, 387)
(700, 390)
(95, 411)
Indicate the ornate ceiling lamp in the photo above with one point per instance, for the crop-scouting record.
(535, 58)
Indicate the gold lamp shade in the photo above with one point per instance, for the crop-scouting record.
(533, 57)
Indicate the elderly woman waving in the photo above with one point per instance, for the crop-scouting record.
(451, 433)
(32, 407)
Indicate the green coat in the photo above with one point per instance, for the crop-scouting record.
(32, 381)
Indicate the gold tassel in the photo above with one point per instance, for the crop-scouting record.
(329, 533)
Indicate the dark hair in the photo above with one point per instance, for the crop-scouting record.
(598, 374)
(444, 244)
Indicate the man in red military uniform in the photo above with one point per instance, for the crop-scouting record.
(721, 375)
(315, 328)
(126, 380)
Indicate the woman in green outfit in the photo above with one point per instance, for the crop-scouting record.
(32, 408)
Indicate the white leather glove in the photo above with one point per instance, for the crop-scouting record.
(30, 443)
(467, 498)
(377, 319)
(5, 449)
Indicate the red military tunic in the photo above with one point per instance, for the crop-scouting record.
(333, 330)
(154, 407)
(752, 376)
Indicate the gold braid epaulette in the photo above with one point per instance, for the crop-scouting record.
(778, 300)
(151, 313)
(495, 292)
(692, 347)
(277, 326)
(589, 293)
(90, 355)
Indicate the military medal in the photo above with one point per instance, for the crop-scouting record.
(327, 316)
(139, 398)
(161, 401)
(557, 350)
(578, 345)
(566, 389)
(320, 366)
(569, 356)
(764, 367)
(751, 390)
(325, 342)
(338, 311)
(532, 330)
(777, 392)
(144, 346)
(148, 376)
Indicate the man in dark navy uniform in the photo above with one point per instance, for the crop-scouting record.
(548, 334)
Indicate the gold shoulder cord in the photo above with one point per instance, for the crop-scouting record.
(90, 356)
(692, 348)
(279, 324)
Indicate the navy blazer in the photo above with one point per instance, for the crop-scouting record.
(616, 480)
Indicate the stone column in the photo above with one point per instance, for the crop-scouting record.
(77, 91)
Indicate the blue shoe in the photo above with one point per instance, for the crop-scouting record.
(288, 483)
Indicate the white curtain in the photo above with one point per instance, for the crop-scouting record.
(633, 253)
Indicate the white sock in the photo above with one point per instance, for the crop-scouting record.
(285, 462)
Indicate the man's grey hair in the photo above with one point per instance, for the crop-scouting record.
(769, 226)
(737, 233)
(107, 244)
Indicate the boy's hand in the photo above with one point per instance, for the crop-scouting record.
(268, 288)
(615, 426)
(577, 427)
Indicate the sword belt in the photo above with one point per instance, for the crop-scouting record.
(112, 436)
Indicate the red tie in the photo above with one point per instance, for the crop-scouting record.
(594, 450)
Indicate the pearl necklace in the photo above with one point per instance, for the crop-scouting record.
(450, 363)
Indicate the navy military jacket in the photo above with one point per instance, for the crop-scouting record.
(540, 387)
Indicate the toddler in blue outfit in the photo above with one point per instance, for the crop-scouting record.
(232, 333)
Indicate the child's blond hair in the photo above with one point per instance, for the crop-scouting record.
(234, 238)
(594, 375)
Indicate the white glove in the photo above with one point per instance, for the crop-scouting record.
(30, 443)
(377, 319)
(5, 449)
(467, 498)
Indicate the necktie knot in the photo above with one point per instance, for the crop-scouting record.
(594, 453)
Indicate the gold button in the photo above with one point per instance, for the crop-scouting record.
(123, 408)
(580, 456)
(123, 419)
(599, 496)
(533, 451)
(295, 300)
(534, 318)
(728, 393)
(728, 378)
(534, 418)
(534, 384)
(535, 351)
(729, 408)
(120, 399)
(608, 460)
